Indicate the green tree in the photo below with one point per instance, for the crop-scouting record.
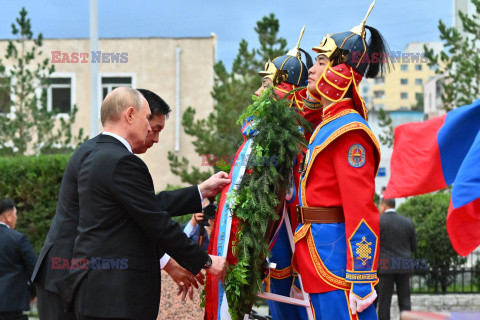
(460, 61)
(218, 136)
(428, 213)
(418, 106)
(385, 122)
(30, 128)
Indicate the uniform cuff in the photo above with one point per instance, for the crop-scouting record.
(361, 276)
(362, 290)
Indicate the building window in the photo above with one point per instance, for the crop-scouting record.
(365, 90)
(379, 80)
(419, 81)
(404, 67)
(418, 67)
(59, 95)
(403, 108)
(379, 94)
(404, 95)
(5, 101)
(403, 81)
(110, 83)
(434, 67)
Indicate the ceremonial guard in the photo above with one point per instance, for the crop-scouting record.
(287, 74)
(337, 240)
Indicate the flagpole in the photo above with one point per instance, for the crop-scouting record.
(94, 103)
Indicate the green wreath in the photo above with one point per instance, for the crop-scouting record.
(277, 142)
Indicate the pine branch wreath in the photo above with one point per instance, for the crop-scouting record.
(277, 142)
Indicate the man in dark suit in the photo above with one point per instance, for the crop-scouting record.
(121, 223)
(59, 243)
(397, 242)
(16, 265)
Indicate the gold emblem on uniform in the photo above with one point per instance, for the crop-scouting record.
(363, 251)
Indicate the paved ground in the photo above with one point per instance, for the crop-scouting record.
(171, 305)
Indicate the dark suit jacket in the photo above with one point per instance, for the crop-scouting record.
(63, 230)
(397, 241)
(121, 219)
(16, 265)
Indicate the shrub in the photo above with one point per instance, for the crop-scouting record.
(33, 182)
(429, 214)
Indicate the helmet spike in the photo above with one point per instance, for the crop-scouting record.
(295, 52)
(360, 29)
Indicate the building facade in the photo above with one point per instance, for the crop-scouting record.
(432, 99)
(402, 87)
(180, 70)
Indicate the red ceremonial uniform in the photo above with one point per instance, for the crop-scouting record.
(337, 241)
(333, 179)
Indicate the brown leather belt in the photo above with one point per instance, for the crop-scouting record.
(320, 214)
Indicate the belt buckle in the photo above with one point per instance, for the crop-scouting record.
(299, 214)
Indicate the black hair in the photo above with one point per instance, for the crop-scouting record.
(6, 205)
(378, 45)
(158, 106)
(389, 202)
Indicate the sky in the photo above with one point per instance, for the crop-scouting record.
(400, 22)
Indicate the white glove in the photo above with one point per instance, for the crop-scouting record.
(358, 305)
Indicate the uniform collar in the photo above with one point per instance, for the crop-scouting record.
(336, 107)
(390, 211)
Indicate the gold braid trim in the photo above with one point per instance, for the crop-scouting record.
(282, 273)
(322, 271)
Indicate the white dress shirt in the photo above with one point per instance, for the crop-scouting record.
(121, 139)
(5, 225)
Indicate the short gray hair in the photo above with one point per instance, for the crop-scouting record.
(117, 101)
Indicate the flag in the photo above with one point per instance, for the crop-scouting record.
(434, 154)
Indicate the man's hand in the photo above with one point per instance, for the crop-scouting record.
(219, 266)
(181, 276)
(196, 217)
(358, 305)
(183, 290)
(213, 185)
